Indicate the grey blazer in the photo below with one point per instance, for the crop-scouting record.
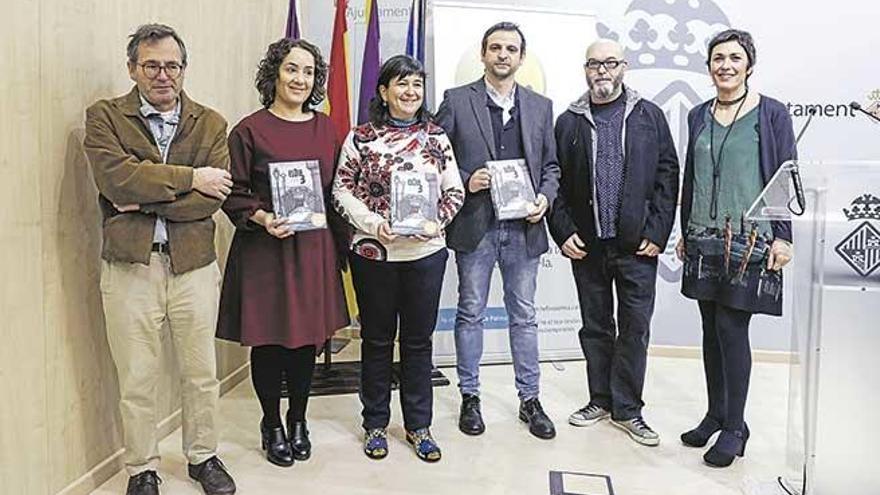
(465, 117)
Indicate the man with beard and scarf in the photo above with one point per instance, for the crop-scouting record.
(494, 118)
(612, 217)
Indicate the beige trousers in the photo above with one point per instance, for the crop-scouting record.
(138, 301)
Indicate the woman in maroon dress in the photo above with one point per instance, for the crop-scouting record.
(282, 292)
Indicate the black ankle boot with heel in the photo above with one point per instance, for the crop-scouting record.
(274, 442)
(298, 434)
(730, 445)
(699, 436)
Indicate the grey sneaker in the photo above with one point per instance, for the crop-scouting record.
(639, 431)
(588, 415)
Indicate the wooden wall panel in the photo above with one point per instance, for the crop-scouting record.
(23, 429)
(79, 65)
(224, 41)
(57, 58)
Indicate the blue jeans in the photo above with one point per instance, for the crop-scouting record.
(505, 244)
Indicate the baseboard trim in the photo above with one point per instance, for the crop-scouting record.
(670, 351)
(108, 468)
(689, 352)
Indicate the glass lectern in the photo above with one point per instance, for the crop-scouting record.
(834, 395)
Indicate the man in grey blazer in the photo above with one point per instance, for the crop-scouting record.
(494, 118)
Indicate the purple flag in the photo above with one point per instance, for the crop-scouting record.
(292, 30)
(370, 67)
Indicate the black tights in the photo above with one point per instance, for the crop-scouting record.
(727, 361)
(268, 362)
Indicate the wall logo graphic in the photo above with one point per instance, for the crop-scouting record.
(665, 44)
(861, 248)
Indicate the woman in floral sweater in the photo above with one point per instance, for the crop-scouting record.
(398, 254)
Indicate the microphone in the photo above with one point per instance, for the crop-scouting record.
(795, 172)
(856, 106)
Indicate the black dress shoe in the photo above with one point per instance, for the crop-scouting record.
(699, 436)
(145, 483)
(275, 444)
(299, 440)
(213, 477)
(540, 425)
(470, 421)
(729, 445)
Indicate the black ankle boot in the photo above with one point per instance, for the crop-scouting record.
(699, 436)
(470, 420)
(299, 440)
(275, 444)
(730, 444)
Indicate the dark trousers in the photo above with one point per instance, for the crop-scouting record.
(268, 364)
(727, 360)
(616, 353)
(394, 295)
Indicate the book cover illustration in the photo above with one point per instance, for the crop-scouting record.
(414, 200)
(512, 193)
(297, 195)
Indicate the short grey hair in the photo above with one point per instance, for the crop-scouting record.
(151, 33)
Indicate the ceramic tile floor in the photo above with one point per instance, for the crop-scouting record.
(506, 459)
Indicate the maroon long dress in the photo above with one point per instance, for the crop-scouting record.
(283, 292)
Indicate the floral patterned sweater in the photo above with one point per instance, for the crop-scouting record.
(362, 186)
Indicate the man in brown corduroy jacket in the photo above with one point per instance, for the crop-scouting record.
(161, 164)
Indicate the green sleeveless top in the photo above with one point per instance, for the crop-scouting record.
(739, 183)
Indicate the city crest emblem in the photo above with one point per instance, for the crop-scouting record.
(665, 44)
(861, 248)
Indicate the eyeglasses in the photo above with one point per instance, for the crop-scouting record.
(152, 69)
(612, 64)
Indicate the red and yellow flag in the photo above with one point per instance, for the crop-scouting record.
(339, 110)
(337, 83)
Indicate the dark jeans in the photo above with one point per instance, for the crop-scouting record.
(394, 294)
(268, 363)
(616, 354)
(727, 360)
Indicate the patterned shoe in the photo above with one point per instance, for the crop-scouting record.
(588, 415)
(376, 443)
(424, 444)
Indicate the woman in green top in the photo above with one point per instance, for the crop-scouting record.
(732, 266)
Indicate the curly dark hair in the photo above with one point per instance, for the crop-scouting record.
(267, 71)
(398, 66)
